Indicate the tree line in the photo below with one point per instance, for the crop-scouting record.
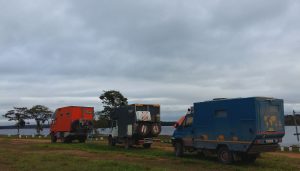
(39, 113)
(289, 120)
(110, 100)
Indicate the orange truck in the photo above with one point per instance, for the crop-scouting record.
(71, 123)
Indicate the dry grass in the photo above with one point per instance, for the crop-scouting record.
(39, 154)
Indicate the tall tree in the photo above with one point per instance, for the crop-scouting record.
(112, 99)
(102, 121)
(18, 114)
(40, 114)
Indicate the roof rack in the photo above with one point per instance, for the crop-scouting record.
(219, 98)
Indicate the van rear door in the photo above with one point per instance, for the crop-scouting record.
(271, 116)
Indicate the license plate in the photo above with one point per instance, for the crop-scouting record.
(269, 141)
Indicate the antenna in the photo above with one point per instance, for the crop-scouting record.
(296, 125)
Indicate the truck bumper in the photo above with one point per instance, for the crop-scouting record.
(146, 141)
(257, 148)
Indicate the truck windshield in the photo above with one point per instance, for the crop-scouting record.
(53, 116)
(180, 121)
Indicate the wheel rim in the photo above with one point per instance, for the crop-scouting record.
(224, 156)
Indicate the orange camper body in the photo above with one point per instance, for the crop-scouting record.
(71, 123)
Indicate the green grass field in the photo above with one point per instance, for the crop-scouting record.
(39, 154)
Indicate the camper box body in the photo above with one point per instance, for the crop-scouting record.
(72, 122)
(135, 124)
(246, 126)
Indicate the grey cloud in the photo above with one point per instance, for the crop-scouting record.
(169, 52)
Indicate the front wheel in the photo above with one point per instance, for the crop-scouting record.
(111, 141)
(178, 149)
(53, 138)
(225, 155)
(67, 140)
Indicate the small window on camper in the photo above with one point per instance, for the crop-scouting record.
(114, 123)
(220, 113)
(54, 115)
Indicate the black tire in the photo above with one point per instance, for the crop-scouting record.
(155, 129)
(53, 138)
(147, 145)
(201, 154)
(75, 126)
(225, 155)
(178, 149)
(82, 140)
(127, 143)
(143, 129)
(67, 140)
(111, 141)
(249, 158)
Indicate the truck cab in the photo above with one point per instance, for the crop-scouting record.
(234, 129)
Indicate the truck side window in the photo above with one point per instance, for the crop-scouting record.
(114, 124)
(188, 121)
(220, 113)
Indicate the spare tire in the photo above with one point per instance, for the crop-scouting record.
(143, 129)
(75, 126)
(155, 129)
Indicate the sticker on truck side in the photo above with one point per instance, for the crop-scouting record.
(143, 116)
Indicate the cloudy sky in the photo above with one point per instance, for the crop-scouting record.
(171, 52)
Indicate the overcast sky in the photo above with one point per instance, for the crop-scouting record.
(171, 52)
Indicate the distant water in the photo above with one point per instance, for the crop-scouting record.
(288, 139)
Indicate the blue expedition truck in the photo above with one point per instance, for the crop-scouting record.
(234, 129)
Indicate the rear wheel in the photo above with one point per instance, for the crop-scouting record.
(127, 143)
(178, 149)
(82, 139)
(249, 158)
(201, 154)
(147, 145)
(225, 155)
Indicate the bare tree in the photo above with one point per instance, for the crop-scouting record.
(40, 114)
(18, 114)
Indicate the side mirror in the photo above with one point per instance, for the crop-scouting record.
(176, 125)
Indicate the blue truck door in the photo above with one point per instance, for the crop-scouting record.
(221, 124)
(188, 137)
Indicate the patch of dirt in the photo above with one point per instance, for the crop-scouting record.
(164, 148)
(29, 141)
(285, 154)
